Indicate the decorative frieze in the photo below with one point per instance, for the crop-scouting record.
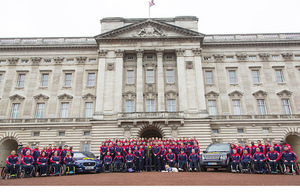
(212, 94)
(119, 53)
(16, 97)
(150, 95)
(219, 57)
(129, 95)
(13, 61)
(102, 53)
(81, 59)
(180, 52)
(139, 53)
(89, 95)
(149, 31)
(259, 94)
(285, 93)
(159, 53)
(40, 97)
(236, 94)
(36, 60)
(264, 56)
(241, 57)
(197, 51)
(189, 64)
(287, 56)
(150, 87)
(171, 94)
(65, 97)
(58, 60)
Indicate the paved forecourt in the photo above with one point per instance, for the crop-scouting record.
(155, 178)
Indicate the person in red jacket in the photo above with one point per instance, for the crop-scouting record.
(289, 158)
(27, 163)
(42, 162)
(261, 147)
(273, 157)
(25, 149)
(69, 162)
(236, 158)
(107, 160)
(119, 160)
(171, 158)
(13, 163)
(253, 148)
(267, 147)
(55, 162)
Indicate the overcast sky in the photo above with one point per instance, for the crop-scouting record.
(71, 18)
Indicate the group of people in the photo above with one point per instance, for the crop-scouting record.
(144, 153)
(276, 156)
(33, 160)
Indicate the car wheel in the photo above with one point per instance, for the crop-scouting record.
(216, 169)
(203, 169)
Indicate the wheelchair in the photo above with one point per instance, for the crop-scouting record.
(66, 170)
(269, 170)
(39, 173)
(197, 166)
(250, 168)
(23, 174)
(52, 173)
(5, 173)
(292, 169)
(111, 168)
(186, 167)
(121, 167)
(264, 168)
(238, 168)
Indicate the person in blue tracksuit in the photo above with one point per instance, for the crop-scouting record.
(136, 154)
(182, 160)
(118, 160)
(189, 149)
(107, 160)
(55, 162)
(63, 153)
(171, 158)
(103, 151)
(246, 160)
(141, 158)
(273, 157)
(27, 163)
(236, 158)
(13, 163)
(289, 158)
(25, 149)
(194, 158)
(42, 162)
(156, 154)
(163, 153)
(259, 159)
(118, 148)
(111, 150)
(70, 163)
(35, 153)
(129, 160)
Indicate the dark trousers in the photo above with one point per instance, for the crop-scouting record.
(71, 167)
(245, 164)
(56, 168)
(128, 165)
(171, 164)
(137, 164)
(102, 156)
(163, 162)
(258, 165)
(290, 165)
(13, 169)
(107, 166)
(148, 164)
(193, 164)
(157, 163)
(118, 165)
(181, 164)
(234, 165)
(273, 166)
(43, 169)
(141, 163)
(28, 169)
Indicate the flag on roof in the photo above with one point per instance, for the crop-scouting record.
(151, 3)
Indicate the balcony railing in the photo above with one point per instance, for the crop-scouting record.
(46, 120)
(125, 115)
(255, 117)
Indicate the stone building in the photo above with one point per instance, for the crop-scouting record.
(146, 77)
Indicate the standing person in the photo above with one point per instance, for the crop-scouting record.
(118, 148)
(63, 153)
(129, 160)
(246, 160)
(103, 151)
(107, 160)
(111, 150)
(141, 158)
(261, 147)
(182, 160)
(69, 162)
(25, 149)
(273, 157)
(247, 147)
(148, 157)
(277, 147)
(236, 158)
(42, 162)
(118, 160)
(189, 149)
(253, 148)
(156, 153)
(35, 154)
(125, 149)
(194, 158)
(163, 153)
(285, 144)
(267, 147)
(71, 151)
(171, 158)
(289, 158)
(27, 163)
(136, 154)
(13, 163)
(258, 159)
(55, 162)
(232, 147)
(239, 149)
(196, 147)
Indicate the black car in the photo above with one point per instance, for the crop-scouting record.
(216, 156)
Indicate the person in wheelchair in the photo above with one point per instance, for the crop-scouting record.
(259, 159)
(236, 158)
(129, 160)
(118, 160)
(194, 158)
(55, 162)
(289, 158)
(171, 157)
(107, 160)
(42, 162)
(27, 163)
(273, 157)
(182, 160)
(246, 160)
(69, 162)
(13, 163)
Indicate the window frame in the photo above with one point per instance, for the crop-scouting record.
(148, 77)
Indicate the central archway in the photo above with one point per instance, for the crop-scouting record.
(5, 149)
(294, 141)
(151, 131)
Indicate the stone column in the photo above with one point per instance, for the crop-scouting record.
(100, 85)
(199, 80)
(160, 82)
(139, 82)
(118, 81)
(181, 72)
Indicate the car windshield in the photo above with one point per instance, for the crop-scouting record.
(218, 148)
(84, 155)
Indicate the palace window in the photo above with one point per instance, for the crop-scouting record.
(171, 105)
(64, 110)
(279, 76)
(129, 107)
(237, 109)
(150, 76)
(252, 57)
(150, 107)
(36, 134)
(255, 76)
(87, 133)
(15, 111)
(21, 80)
(232, 77)
(212, 107)
(85, 147)
(262, 110)
(215, 131)
(61, 133)
(44, 80)
(68, 79)
(130, 77)
(286, 106)
(170, 76)
(207, 58)
(89, 108)
(266, 130)
(91, 79)
(240, 130)
(40, 110)
(209, 77)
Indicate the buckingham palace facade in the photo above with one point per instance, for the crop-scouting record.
(145, 77)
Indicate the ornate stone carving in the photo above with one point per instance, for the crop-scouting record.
(287, 56)
(65, 97)
(119, 53)
(236, 93)
(150, 64)
(285, 92)
(16, 97)
(36, 60)
(110, 66)
(150, 31)
(241, 57)
(81, 59)
(58, 60)
(189, 65)
(159, 53)
(89, 95)
(260, 93)
(264, 56)
(40, 97)
(219, 57)
(197, 51)
(127, 128)
(13, 61)
(139, 53)
(102, 53)
(174, 127)
(180, 52)
(150, 95)
(129, 95)
(171, 94)
(150, 87)
(212, 94)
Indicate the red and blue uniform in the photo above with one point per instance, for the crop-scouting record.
(141, 158)
(236, 158)
(259, 159)
(290, 157)
(63, 154)
(271, 156)
(55, 162)
(136, 154)
(278, 148)
(156, 152)
(42, 164)
(27, 164)
(111, 150)
(248, 149)
(46, 152)
(163, 153)
(267, 149)
(13, 164)
(35, 154)
(103, 151)
(129, 161)
(70, 163)
(171, 158)
(189, 149)
(197, 149)
(118, 149)
(107, 160)
(239, 150)
(194, 158)
(262, 148)
(24, 150)
(246, 160)
(182, 160)
(118, 160)
(253, 150)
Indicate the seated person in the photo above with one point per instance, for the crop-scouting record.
(194, 158)
(289, 158)
(70, 163)
(273, 157)
(27, 163)
(182, 159)
(55, 162)
(42, 161)
(259, 159)
(235, 160)
(129, 160)
(246, 160)
(13, 163)
(171, 157)
(118, 160)
(107, 160)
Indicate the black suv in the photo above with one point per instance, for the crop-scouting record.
(216, 156)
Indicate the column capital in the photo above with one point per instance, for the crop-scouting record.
(197, 51)
(102, 53)
(159, 53)
(119, 53)
(139, 53)
(179, 52)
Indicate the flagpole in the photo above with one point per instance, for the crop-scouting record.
(149, 9)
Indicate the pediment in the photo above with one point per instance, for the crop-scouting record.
(16, 97)
(148, 28)
(285, 93)
(65, 97)
(89, 95)
(260, 93)
(212, 94)
(236, 93)
(40, 97)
